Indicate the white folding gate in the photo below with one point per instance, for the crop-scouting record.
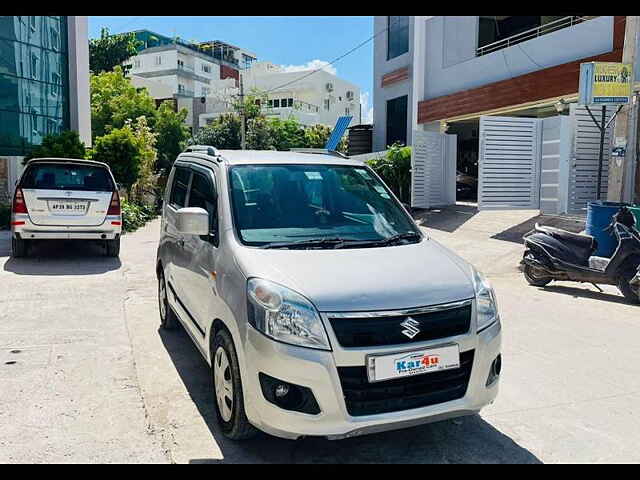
(433, 169)
(509, 169)
(585, 156)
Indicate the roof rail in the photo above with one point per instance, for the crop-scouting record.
(208, 149)
(323, 151)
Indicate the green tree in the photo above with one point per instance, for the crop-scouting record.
(316, 136)
(259, 134)
(223, 133)
(172, 135)
(120, 149)
(395, 170)
(286, 134)
(145, 183)
(110, 50)
(66, 144)
(114, 100)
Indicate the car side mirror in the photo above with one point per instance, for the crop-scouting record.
(192, 221)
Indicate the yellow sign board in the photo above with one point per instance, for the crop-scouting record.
(611, 82)
(605, 83)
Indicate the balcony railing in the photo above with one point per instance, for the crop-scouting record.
(532, 33)
(186, 68)
(185, 93)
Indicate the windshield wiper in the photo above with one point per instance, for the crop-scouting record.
(335, 242)
(398, 237)
(390, 240)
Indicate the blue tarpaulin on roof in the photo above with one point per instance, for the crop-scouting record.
(338, 131)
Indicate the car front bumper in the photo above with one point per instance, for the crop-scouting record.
(318, 371)
(22, 227)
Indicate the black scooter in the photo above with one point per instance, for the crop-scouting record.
(554, 254)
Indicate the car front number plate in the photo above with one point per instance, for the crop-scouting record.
(416, 362)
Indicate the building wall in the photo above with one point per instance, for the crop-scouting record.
(311, 89)
(308, 95)
(44, 85)
(442, 60)
(384, 70)
(80, 101)
(452, 65)
(543, 84)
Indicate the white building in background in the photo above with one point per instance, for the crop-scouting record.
(186, 72)
(203, 77)
(318, 98)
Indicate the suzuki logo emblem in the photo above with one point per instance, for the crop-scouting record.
(410, 327)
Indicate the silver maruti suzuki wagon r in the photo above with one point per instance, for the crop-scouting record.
(321, 307)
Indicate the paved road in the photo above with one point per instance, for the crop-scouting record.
(95, 379)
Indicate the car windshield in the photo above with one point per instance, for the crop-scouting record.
(289, 205)
(67, 177)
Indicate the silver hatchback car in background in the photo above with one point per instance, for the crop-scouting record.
(321, 307)
(62, 199)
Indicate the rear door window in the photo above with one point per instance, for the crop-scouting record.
(68, 177)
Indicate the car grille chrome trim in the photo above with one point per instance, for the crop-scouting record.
(400, 313)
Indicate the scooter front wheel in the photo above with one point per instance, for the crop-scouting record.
(535, 277)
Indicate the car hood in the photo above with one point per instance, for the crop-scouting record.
(381, 278)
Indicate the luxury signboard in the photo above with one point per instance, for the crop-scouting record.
(605, 83)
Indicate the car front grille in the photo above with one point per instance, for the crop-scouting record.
(365, 398)
(381, 328)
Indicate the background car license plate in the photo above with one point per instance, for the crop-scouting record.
(68, 207)
(417, 362)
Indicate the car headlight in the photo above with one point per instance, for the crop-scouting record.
(486, 304)
(284, 315)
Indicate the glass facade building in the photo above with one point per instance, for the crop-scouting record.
(34, 81)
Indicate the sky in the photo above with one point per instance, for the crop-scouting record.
(295, 42)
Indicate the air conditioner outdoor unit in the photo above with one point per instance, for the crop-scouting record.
(329, 87)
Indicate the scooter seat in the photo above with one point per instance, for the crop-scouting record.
(586, 243)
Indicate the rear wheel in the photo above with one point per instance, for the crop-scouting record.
(113, 247)
(535, 276)
(624, 277)
(19, 247)
(168, 319)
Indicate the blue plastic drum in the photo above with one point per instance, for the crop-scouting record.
(599, 216)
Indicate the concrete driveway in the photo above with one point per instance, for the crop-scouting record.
(96, 381)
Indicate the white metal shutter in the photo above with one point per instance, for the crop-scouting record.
(509, 158)
(433, 163)
(583, 170)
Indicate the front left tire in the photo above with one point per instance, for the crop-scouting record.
(227, 387)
